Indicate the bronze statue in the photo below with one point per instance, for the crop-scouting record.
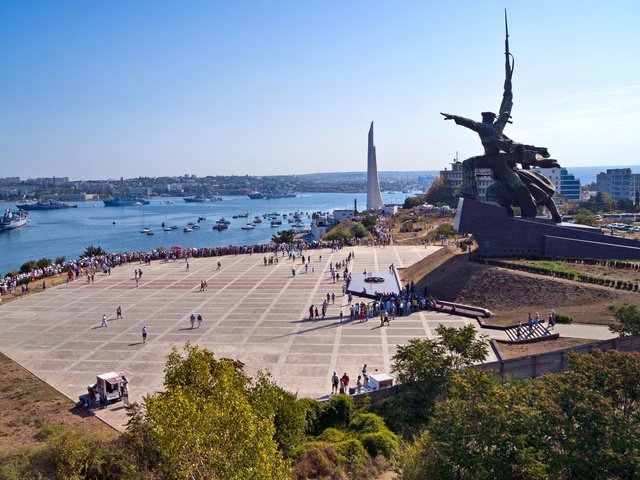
(514, 187)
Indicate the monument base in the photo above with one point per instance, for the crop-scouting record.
(499, 235)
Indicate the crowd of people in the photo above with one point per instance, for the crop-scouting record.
(87, 267)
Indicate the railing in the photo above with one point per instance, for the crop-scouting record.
(554, 362)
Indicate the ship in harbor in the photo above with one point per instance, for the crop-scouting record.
(269, 196)
(11, 220)
(125, 202)
(201, 199)
(46, 205)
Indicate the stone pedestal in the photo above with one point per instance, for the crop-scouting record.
(499, 235)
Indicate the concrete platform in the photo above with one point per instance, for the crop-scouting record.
(252, 312)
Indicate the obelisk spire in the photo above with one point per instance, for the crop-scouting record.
(374, 197)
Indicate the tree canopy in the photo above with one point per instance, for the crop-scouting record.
(578, 424)
(205, 425)
(628, 318)
(440, 194)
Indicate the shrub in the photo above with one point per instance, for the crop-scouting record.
(60, 260)
(356, 456)
(446, 230)
(564, 318)
(332, 435)
(367, 423)
(313, 410)
(319, 460)
(337, 412)
(380, 443)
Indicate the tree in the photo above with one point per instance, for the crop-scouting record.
(43, 263)
(26, 267)
(93, 251)
(60, 260)
(369, 220)
(204, 425)
(625, 205)
(428, 360)
(603, 202)
(424, 367)
(440, 194)
(284, 236)
(586, 217)
(628, 318)
(411, 202)
(588, 418)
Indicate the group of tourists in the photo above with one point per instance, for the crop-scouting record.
(341, 384)
(533, 322)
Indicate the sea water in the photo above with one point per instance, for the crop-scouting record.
(67, 232)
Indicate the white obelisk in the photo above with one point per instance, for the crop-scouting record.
(374, 197)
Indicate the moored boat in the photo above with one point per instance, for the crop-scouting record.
(124, 202)
(46, 205)
(11, 220)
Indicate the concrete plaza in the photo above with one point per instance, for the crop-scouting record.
(255, 313)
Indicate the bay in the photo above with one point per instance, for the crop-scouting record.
(54, 233)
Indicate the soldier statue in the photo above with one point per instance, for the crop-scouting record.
(520, 187)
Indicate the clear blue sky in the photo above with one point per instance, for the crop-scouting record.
(103, 89)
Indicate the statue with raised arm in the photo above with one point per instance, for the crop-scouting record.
(502, 155)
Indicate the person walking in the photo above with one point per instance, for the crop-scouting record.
(192, 319)
(104, 321)
(199, 320)
(145, 331)
(119, 312)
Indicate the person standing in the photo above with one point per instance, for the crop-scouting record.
(334, 383)
(359, 384)
(345, 384)
(119, 312)
(125, 390)
(145, 331)
(104, 321)
(364, 370)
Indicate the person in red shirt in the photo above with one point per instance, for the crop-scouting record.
(345, 383)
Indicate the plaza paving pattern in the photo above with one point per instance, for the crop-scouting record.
(255, 313)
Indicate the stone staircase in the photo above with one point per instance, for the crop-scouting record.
(537, 331)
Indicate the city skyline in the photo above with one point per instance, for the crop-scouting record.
(121, 89)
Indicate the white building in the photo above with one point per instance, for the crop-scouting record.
(453, 179)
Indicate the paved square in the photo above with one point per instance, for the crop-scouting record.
(255, 313)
